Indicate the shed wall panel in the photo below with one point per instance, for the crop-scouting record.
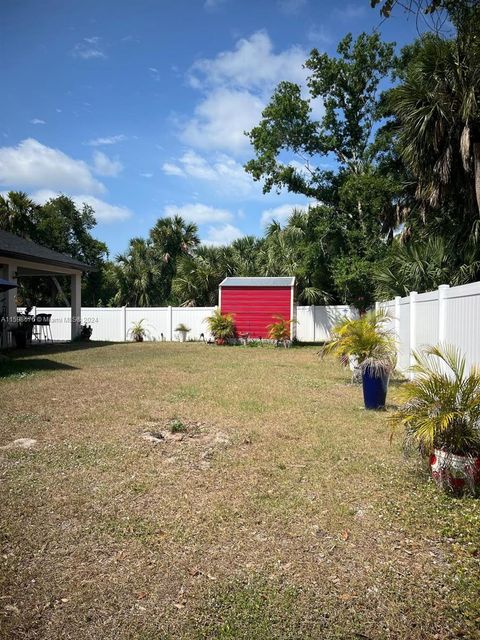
(254, 308)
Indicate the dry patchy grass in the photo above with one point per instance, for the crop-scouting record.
(278, 510)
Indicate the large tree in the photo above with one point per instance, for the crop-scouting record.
(338, 161)
(349, 86)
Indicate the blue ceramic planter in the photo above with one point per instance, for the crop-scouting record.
(375, 387)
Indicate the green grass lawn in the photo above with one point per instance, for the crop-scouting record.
(277, 508)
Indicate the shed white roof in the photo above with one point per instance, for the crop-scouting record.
(258, 282)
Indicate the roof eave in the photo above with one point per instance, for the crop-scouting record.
(76, 266)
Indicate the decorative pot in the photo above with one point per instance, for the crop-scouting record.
(138, 338)
(183, 336)
(375, 385)
(455, 472)
(219, 340)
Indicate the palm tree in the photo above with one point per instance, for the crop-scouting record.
(171, 238)
(423, 266)
(284, 252)
(244, 254)
(18, 213)
(437, 106)
(137, 275)
(198, 276)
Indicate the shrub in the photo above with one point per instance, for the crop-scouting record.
(367, 340)
(441, 408)
(280, 329)
(221, 325)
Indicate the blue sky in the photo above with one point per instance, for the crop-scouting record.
(139, 107)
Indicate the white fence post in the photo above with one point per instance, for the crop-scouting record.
(396, 319)
(170, 324)
(413, 328)
(442, 312)
(124, 323)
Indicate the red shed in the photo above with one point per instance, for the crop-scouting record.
(254, 302)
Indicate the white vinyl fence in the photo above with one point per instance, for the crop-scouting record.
(315, 323)
(113, 324)
(449, 315)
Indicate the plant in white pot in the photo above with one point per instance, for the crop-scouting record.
(441, 416)
(182, 331)
(369, 343)
(137, 331)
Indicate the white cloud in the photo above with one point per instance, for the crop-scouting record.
(104, 166)
(280, 213)
(290, 7)
(213, 4)
(104, 212)
(146, 174)
(236, 85)
(172, 169)
(198, 213)
(221, 119)
(252, 64)
(37, 121)
(350, 11)
(98, 142)
(32, 164)
(221, 235)
(318, 35)
(196, 166)
(88, 49)
(228, 175)
(155, 73)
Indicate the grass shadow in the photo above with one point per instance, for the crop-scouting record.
(55, 347)
(19, 368)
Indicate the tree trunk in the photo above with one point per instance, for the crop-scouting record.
(476, 171)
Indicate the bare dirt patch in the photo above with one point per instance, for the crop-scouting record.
(196, 439)
(20, 443)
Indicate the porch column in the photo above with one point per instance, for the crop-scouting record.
(10, 273)
(76, 303)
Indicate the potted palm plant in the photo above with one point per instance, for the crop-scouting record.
(370, 343)
(182, 331)
(441, 416)
(280, 330)
(222, 326)
(137, 331)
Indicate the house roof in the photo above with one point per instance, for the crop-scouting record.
(258, 282)
(12, 246)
